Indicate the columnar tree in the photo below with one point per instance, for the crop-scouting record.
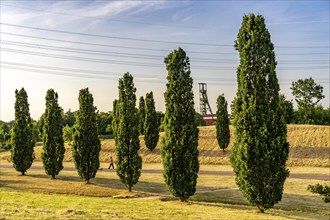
(222, 123)
(179, 145)
(142, 114)
(22, 142)
(86, 144)
(53, 148)
(260, 150)
(151, 128)
(129, 162)
(115, 121)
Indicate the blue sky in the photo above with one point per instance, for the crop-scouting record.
(69, 45)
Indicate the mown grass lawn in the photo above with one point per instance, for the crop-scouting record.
(36, 196)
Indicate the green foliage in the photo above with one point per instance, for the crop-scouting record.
(321, 116)
(142, 115)
(36, 131)
(307, 94)
(179, 145)
(53, 147)
(199, 119)
(69, 118)
(40, 124)
(4, 128)
(128, 162)
(115, 120)
(151, 132)
(160, 119)
(324, 191)
(317, 116)
(86, 144)
(68, 134)
(222, 123)
(103, 120)
(287, 108)
(2, 139)
(260, 150)
(22, 141)
(4, 133)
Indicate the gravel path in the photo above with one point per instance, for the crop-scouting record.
(202, 172)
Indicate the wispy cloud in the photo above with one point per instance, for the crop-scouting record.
(110, 9)
(183, 15)
(66, 12)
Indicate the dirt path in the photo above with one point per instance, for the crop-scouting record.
(202, 172)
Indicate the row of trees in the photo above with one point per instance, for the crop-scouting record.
(260, 150)
(307, 94)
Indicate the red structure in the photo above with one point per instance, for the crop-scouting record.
(209, 119)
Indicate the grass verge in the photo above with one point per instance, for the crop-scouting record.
(36, 196)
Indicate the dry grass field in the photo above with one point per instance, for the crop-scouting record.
(36, 196)
(309, 146)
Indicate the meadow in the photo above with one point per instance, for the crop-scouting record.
(309, 146)
(36, 196)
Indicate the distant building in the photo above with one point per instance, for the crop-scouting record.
(209, 119)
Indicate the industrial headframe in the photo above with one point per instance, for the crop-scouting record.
(204, 105)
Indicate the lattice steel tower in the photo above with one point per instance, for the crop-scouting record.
(204, 105)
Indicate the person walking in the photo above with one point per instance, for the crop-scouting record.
(111, 163)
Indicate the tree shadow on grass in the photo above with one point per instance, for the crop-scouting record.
(111, 183)
(12, 184)
(292, 205)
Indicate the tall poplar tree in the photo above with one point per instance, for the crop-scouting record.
(22, 142)
(142, 114)
(151, 128)
(115, 122)
(260, 150)
(128, 162)
(53, 148)
(222, 123)
(86, 144)
(179, 145)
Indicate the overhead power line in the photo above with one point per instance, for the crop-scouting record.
(144, 40)
(116, 37)
(107, 45)
(107, 53)
(146, 49)
(60, 56)
(83, 73)
(56, 68)
(142, 56)
(132, 63)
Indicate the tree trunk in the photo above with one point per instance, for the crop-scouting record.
(260, 209)
(23, 173)
(182, 199)
(130, 188)
(53, 177)
(87, 182)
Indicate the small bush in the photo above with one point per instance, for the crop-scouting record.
(324, 191)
